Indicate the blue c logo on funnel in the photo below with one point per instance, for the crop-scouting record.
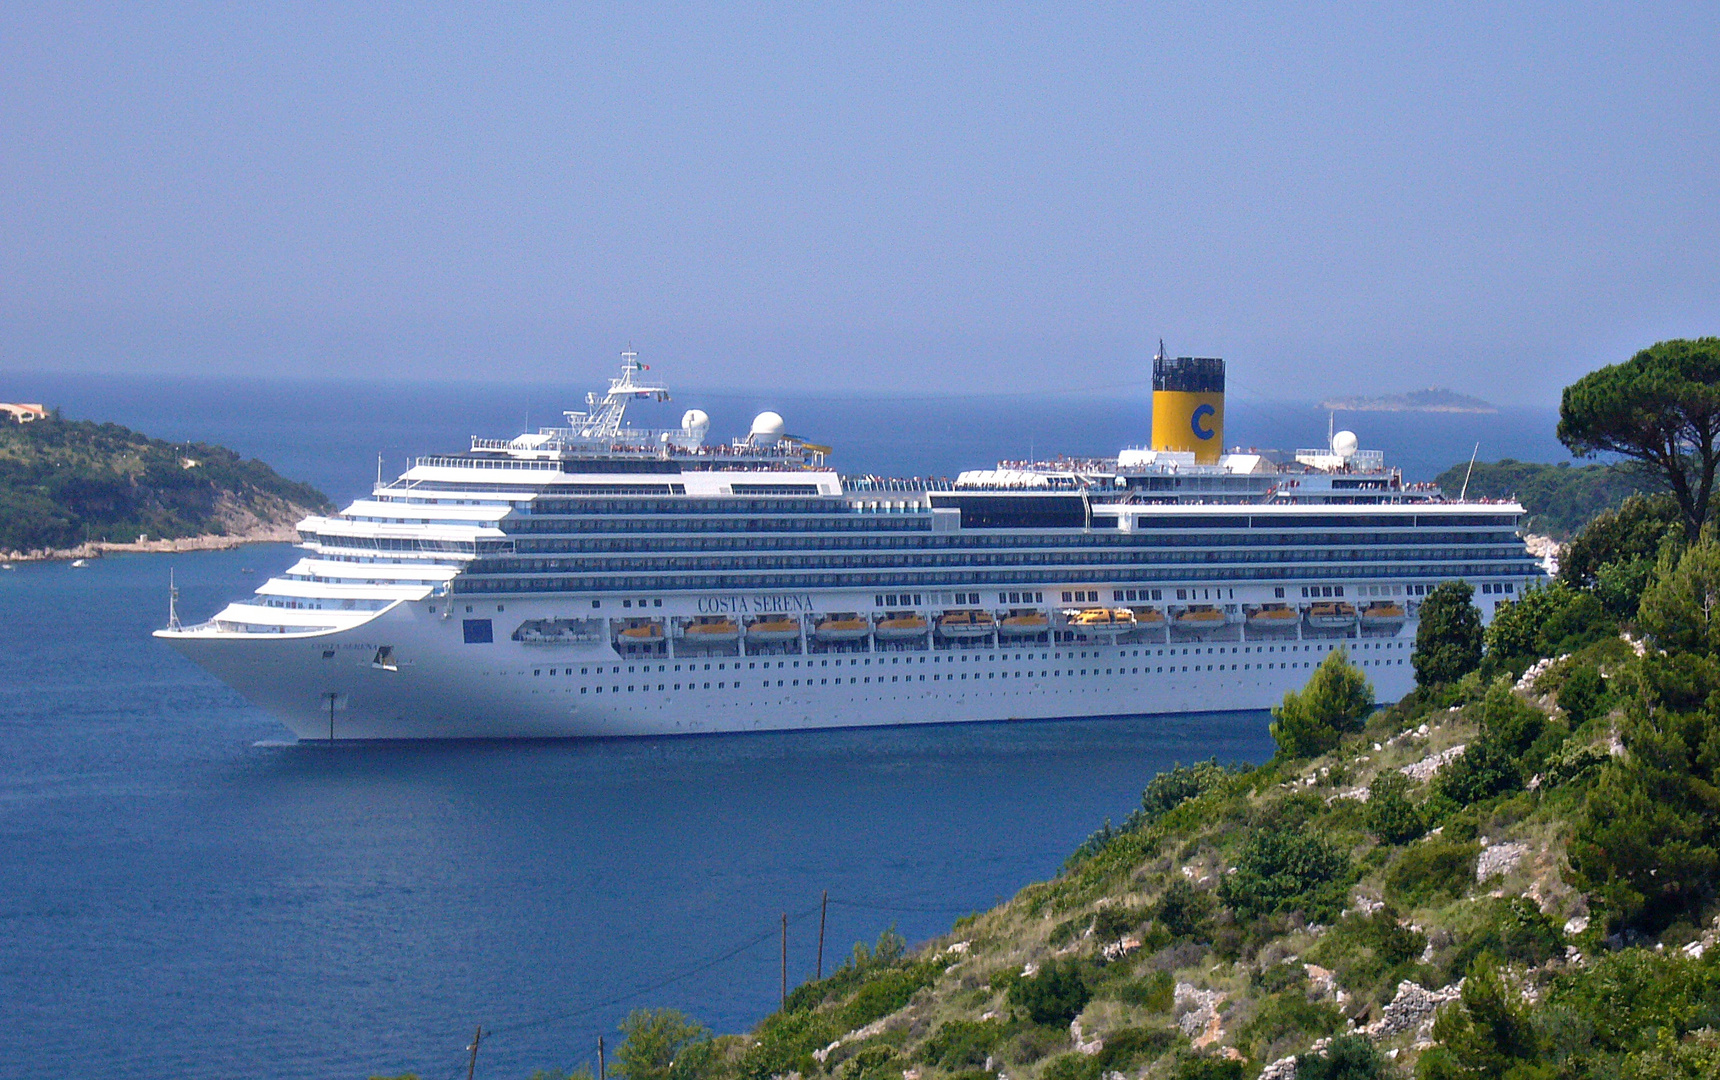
(1201, 413)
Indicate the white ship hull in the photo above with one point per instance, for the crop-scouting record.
(439, 687)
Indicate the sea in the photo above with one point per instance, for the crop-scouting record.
(184, 892)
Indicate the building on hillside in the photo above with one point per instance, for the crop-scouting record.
(23, 413)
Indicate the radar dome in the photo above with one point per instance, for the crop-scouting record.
(1344, 444)
(767, 425)
(695, 420)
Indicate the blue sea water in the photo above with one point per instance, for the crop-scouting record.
(183, 893)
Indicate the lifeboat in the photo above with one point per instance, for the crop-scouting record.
(711, 629)
(1101, 622)
(771, 629)
(901, 626)
(1148, 617)
(1023, 622)
(1201, 619)
(842, 626)
(1382, 615)
(966, 625)
(1272, 617)
(1332, 615)
(640, 631)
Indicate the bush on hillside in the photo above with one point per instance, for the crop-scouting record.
(1615, 555)
(1279, 871)
(1349, 1057)
(1431, 871)
(1335, 701)
(1054, 995)
(1448, 637)
(1678, 606)
(662, 1044)
(1390, 814)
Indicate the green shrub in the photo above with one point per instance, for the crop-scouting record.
(1335, 701)
(1185, 911)
(959, 1044)
(1483, 770)
(1583, 694)
(1431, 871)
(1448, 637)
(1056, 994)
(1615, 555)
(1371, 953)
(1513, 930)
(1154, 992)
(1279, 871)
(1180, 783)
(1288, 1014)
(1486, 1033)
(872, 1063)
(1071, 1067)
(1349, 1057)
(662, 1044)
(1573, 762)
(884, 992)
(1196, 1066)
(1390, 815)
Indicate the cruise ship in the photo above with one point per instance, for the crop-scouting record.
(596, 579)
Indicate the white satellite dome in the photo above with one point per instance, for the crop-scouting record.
(768, 425)
(695, 420)
(1344, 444)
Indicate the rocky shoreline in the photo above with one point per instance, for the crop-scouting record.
(261, 534)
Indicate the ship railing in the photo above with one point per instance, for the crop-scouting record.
(446, 461)
(888, 484)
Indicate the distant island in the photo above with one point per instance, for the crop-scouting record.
(71, 488)
(1432, 399)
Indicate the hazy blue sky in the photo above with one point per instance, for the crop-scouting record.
(1335, 198)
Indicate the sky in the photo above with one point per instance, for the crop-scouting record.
(884, 198)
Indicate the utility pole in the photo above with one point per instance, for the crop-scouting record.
(472, 1067)
(601, 1072)
(785, 960)
(823, 910)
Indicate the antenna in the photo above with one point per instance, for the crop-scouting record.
(1331, 430)
(379, 468)
(1465, 492)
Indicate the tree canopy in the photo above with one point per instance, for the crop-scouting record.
(1336, 700)
(1662, 408)
(1448, 637)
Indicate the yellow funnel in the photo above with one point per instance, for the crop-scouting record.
(1188, 406)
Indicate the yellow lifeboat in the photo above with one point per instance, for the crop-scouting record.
(965, 624)
(1272, 617)
(711, 629)
(1201, 619)
(1023, 622)
(1148, 616)
(901, 626)
(637, 631)
(1330, 615)
(842, 626)
(1382, 615)
(1101, 622)
(768, 629)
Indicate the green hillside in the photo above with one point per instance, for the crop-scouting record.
(65, 482)
(1560, 498)
(1512, 874)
